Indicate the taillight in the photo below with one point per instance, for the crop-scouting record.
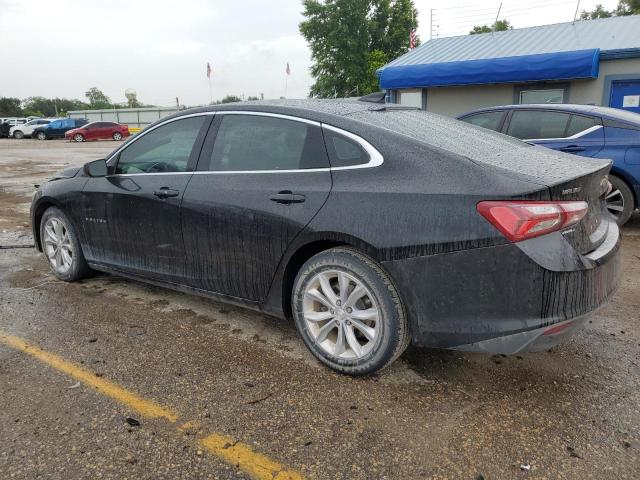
(520, 220)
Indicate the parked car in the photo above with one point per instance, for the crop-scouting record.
(22, 131)
(98, 131)
(57, 128)
(6, 123)
(585, 130)
(372, 226)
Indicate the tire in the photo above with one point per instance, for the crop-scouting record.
(387, 330)
(117, 136)
(18, 134)
(41, 136)
(78, 137)
(620, 201)
(57, 235)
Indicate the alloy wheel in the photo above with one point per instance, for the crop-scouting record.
(341, 314)
(78, 137)
(57, 245)
(41, 136)
(117, 136)
(615, 202)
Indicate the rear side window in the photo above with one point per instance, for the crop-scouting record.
(164, 149)
(536, 124)
(344, 152)
(258, 143)
(579, 123)
(490, 120)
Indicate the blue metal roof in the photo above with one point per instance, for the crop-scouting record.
(616, 37)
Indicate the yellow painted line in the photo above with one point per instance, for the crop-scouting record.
(255, 464)
(258, 466)
(144, 407)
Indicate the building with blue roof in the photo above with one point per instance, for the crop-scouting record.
(595, 62)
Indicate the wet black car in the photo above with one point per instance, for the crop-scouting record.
(373, 226)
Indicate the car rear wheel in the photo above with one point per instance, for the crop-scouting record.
(18, 134)
(61, 247)
(348, 312)
(41, 136)
(620, 201)
(117, 136)
(78, 137)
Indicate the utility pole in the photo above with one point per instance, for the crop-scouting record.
(177, 103)
(430, 24)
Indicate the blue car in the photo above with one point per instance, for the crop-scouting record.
(586, 130)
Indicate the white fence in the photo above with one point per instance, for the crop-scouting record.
(134, 117)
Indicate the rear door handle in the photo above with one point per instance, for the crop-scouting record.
(166, 192)
(572, 148)
(287, 197)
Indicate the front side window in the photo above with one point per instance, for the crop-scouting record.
(56, 124)
(537, 124)
(258, 143)
(490, 120)
(542, 96)
(165, 149)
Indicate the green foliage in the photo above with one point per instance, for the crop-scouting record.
(250, 98)
(10, 107)
(97, 99)
(624, 8)
(349, 38)
(51, 107)
(498, 26)
(231, 99)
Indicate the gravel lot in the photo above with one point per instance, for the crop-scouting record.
(572, 412)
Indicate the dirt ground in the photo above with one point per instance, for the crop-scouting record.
(570, 413)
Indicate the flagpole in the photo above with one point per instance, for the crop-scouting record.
(286, 81)
(210, 92)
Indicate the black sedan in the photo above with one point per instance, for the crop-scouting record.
(372, 226)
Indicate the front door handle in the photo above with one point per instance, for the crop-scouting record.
(166, 192)
(572, 148)
(287, 197)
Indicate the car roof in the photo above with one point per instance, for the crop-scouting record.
(604, 112)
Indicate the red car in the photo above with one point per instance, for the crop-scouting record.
(98, 131)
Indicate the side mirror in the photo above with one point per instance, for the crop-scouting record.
(97, 168)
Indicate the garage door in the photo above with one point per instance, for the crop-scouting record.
(625, 94)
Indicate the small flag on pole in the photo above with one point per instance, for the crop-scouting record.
(412, 39)
(288, 69)
(208, 70)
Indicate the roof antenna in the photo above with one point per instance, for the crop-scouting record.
(495, 24)
(575, 15)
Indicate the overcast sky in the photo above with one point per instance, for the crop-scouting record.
(161, 48)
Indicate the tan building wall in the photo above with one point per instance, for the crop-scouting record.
(453, 101)
(591, 91)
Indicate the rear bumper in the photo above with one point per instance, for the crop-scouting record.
(502, 299)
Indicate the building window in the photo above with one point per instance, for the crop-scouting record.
(411, 98)
(542, 96)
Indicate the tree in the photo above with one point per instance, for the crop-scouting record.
(498, 26)
(231, 99)
(51, 107)
(10, 107)
(351, 39)
(625, 7)
(251, 98)
(97, 99)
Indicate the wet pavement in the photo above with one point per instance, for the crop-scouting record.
(572, 412)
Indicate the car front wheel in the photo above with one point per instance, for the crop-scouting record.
(619, 200)
(61, 246)
(41, 136)
(78, 137)
(348, 312)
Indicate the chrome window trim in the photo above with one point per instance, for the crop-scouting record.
(375, 157)
(572, 137)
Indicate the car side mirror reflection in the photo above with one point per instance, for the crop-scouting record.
(97, 168)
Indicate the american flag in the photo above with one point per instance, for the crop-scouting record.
(412, 39)
(208, 70)
(288, 69)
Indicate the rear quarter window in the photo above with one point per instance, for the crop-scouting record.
(491, 120)
(344, 152)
